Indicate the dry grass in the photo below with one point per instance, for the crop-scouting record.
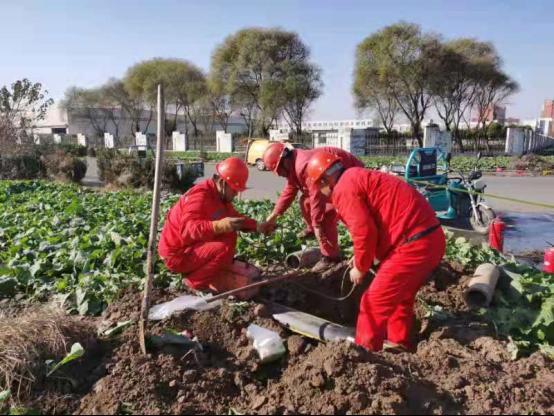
(33, 336)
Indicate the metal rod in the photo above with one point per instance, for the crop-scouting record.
(151, 255)
(265, 282)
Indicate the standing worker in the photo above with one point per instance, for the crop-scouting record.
(319, 215)
(200, 232)
(390, 221)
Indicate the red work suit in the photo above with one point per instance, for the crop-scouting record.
(315, 207)
(188, 243)
(381, 212)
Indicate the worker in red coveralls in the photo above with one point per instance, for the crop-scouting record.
(390, 221)
(200, 232)
(319, 215)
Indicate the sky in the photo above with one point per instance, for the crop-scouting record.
(62, 43)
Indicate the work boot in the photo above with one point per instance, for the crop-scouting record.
(324, 264)
(307, 234)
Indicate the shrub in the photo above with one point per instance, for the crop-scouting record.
(73, 149)
(531, 162)
(64, 166)
(21, 167)
(130, 171)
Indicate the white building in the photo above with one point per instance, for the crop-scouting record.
(116, 123)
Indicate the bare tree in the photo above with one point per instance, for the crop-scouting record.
(302, 86)
(21, 106)
(402, 60)
(221, 106)
(263, 71)
(458, 72)
(375, 96)
(492, 89)
(129, 106)
(88, 104)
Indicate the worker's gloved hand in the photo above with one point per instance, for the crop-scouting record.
(356, 276)
(228, 225)
(266, 227)
(272, 218)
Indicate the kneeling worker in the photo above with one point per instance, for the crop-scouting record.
(200, 232)
(390, 221)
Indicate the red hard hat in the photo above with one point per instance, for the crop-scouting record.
(234, 172)
(319, 163)
(273, 156)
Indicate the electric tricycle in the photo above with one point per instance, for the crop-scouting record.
(453, 198)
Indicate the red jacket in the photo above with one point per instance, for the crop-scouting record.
(298, 181)
(189, 221)
(380, 211)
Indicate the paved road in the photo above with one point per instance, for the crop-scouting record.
(529, 227)
(541, 189)
(264, 185)
(538, 189)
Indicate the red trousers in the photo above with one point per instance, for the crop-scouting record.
(203, 262)
(330, 245)
(387, 306)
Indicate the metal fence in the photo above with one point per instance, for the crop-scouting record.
(376, 143)
(402, 144)
(473, 142)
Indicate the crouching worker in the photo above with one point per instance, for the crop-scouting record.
(200, 233)
(390, 221)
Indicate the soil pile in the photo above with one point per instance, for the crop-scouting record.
(458, 366)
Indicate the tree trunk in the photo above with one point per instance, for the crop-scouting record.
(459, 140)
(417, 134)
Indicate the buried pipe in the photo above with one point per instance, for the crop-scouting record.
(303, 258)
(480, 289)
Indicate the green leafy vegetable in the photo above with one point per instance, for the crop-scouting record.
(77, 351)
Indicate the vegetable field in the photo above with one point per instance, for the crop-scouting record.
(83, 247)
(86, 249)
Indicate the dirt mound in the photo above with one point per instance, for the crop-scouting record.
(159, 384)
(340, 378)
(170, 381)
(479, 376)
(458, 366)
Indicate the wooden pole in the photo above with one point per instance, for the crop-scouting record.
(151, 254)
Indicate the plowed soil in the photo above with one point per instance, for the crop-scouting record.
(459, 366)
